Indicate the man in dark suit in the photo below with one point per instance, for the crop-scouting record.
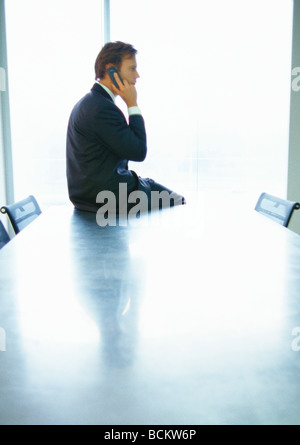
(100, 142)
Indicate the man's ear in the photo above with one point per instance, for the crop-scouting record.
(108, 65)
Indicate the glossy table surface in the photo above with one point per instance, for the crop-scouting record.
(190, 316)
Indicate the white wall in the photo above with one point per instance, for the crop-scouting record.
(294, 135)
(2, 182)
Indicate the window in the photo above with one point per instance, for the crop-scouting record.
(214, 91)
(52, 47)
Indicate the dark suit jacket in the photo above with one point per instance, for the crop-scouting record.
(100, 143)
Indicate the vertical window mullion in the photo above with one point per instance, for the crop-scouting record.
(106, 20)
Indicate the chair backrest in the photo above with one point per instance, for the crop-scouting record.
(280, 210)
(4, 238)
(22, 213)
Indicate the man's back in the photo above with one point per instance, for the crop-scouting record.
(99, 144)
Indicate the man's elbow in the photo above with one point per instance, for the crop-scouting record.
(142, 154)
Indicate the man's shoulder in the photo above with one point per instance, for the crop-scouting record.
(98, 92)
(94, 99)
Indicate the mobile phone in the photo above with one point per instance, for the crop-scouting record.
(111, 72)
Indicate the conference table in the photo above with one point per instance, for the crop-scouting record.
(185, 316)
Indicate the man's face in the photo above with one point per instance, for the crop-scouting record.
(128, 70)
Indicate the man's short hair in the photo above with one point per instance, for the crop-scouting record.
(112, 52)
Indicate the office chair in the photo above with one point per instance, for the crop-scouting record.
(4, 238)
(22, 212)
(280, 210)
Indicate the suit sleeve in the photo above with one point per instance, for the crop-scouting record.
(126, 141)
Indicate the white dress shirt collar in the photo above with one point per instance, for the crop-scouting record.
(107, 90)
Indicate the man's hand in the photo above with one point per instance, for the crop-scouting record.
(126, 91)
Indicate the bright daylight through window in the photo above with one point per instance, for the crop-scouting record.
(214, 89)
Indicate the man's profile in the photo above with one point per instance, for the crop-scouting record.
(100, 141)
